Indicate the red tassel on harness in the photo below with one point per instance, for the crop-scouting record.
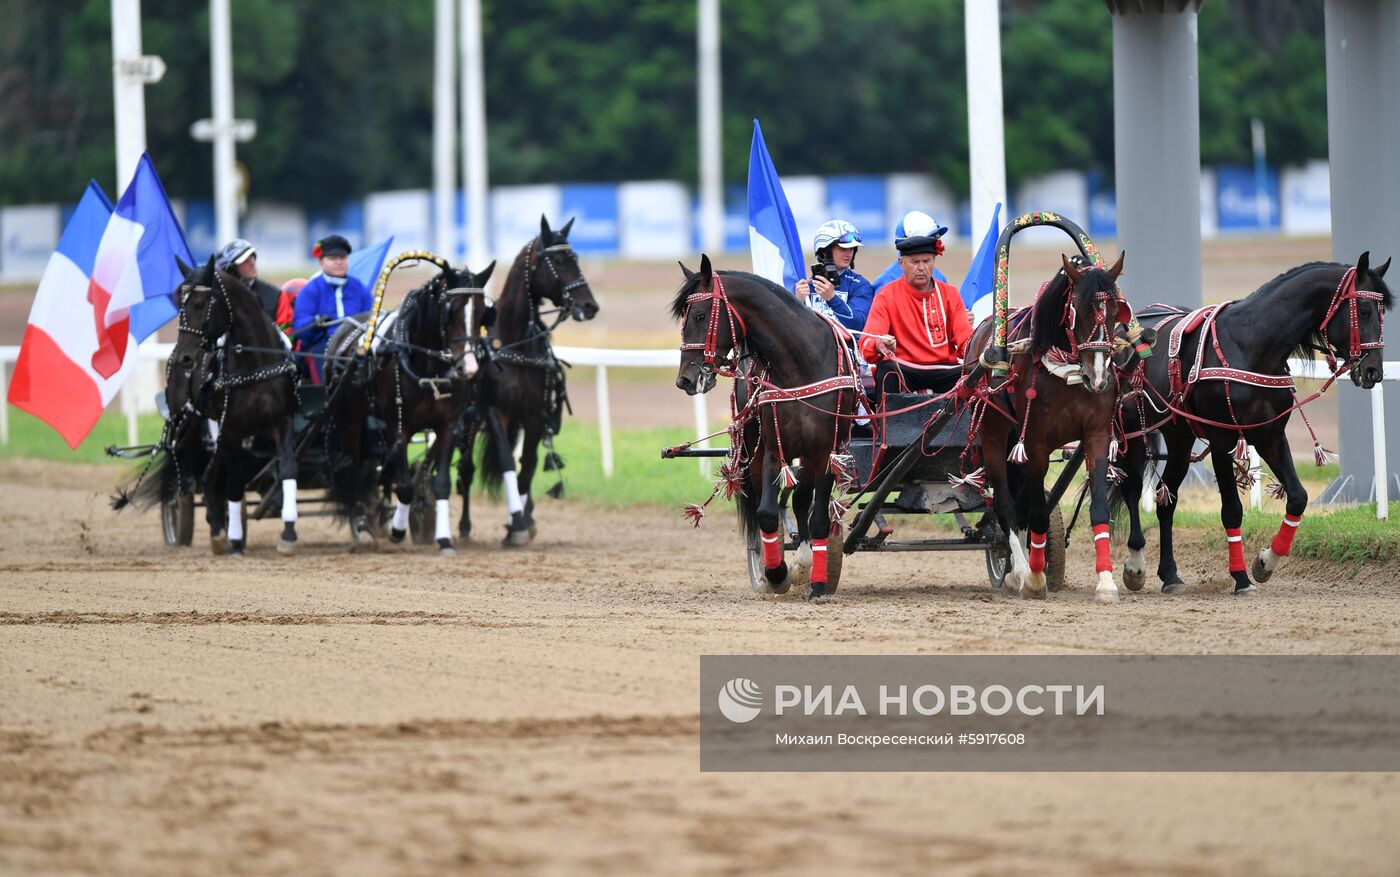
(1241, 451)
(1116, 475)
(1244, 476)
(732, 479)
(842, 467)
(1113, 450)
(1164, 494)
(1322, 455)
(1276, 490)
(693, 513)
(787, 477)
(1018, 453)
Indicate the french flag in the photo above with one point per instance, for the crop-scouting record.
(107, 286)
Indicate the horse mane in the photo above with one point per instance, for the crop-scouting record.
(692, 283)
(1046, 330)
(1315, 341)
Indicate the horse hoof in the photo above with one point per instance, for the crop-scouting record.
(1134, 581)
(779, 578)
(1106, 597)
(219, 544)
(1173, 587)
(818, 593)
(396, 535)
(286, 549)
(445, 548)
(800, 570)
(1035, 586)
(363, 541)
(1245, 591)
(1259, 571)
(235, 548)
(516, 538)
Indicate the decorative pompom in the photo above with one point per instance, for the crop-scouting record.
(1137, 379)
(693, 513)
(1322, 455)
(1164, 494)
(977, 478)
(731, 477)
(837, 511)
(557, 491)
(1241, 451)
(1276, 490)
(1018, 453)
(553, 462)
(1244, 476)
(843, 468)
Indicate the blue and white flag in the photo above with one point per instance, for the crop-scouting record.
(980, 283)
(773, 240)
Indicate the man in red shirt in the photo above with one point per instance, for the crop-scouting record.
(918, 327)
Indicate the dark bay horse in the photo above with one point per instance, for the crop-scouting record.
(797, 391)
(1072, 323)
(521, 389)
(1221, 374)
(414, 377)
(229, 370)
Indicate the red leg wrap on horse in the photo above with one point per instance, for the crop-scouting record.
(1283, 542)
(1103, 551)
(1236, 543)
(1037, 559)
(772, 550)
(819, 560)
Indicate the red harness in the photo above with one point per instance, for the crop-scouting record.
(710, 345)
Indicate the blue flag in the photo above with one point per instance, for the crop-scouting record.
(366, 264)
(162, 241)
(980, 283)
(773, 241)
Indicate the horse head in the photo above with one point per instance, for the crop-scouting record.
(708, 328)
(564, 283)
(1092, 307)
(1355, 321)
(452, 314)
(205, 316)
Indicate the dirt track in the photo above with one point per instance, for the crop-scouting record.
(169, 712)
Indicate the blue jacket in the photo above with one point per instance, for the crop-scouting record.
(894, 272)
(851, 304)
(317, 299)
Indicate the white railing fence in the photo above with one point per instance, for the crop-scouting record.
(604, 358)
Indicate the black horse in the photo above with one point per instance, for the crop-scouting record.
(522, 387)
(1224, 378)
(1065, 389)
(231, 374)
(797, 390)
(414, 377)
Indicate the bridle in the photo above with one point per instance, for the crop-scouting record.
(1347, 294)
(1100, 338)
(566, 290)
(713, 364)
(207, 342)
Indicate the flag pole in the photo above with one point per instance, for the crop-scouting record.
(129, 107)
(711, 163)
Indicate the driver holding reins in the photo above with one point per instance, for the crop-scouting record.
(918, 328)
(330, 296)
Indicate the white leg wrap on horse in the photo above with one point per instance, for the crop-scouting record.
(513, 502)
(289, 496)
(1106, 591)
(1019, 565)
(235, 519)
(213, 429)
(444, 520)
(400, 521)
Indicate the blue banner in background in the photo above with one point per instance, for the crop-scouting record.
(861, 202)
(1237, 200)
(736, 221)
(593, 207)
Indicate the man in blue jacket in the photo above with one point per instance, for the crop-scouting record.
(844, 294)
(329, 297)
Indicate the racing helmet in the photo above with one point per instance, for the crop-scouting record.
(838, 232)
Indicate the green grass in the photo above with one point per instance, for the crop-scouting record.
(34, 439)
(1341, 535)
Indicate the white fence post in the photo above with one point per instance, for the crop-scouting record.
(702, 427)
(1378, 448)
(1256, 491)
(604, 421)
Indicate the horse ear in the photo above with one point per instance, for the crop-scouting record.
(1117, 270)
(1072, 271)
(706, 271)
(184, 269)
(209, 266)
(684, 270)
(544, 229)
(486, 275)
(1363, 264)
(1380, 272)
(564, 232)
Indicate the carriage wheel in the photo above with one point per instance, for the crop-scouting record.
(422, 513)
(998, 562)
(834, 556)
(177, 520)
(1055, 552)
(758, 582)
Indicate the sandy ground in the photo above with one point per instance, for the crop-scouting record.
(167, 712)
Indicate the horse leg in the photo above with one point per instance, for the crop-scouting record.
(1036, 518)
(529, 462)
(1096, 452)
(287, 471)
(517, 533)
(441, 458)
(994, 441)
(215, 504)
(801, 498)
(237, 477)
(403, 494)
(769, 522)
(819, 526)
(1231, 512)
(1275, 451)
(466, 470)
(1135, 464)
(1178, 463)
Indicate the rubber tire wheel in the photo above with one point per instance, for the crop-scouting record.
(998, 559)
(834, 557)
(1055, 552)
(177, 520)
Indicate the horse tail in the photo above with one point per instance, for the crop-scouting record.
(747, 505)
(491, 453)
(148, 484)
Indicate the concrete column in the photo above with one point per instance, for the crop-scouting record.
(1157, 149)
(1363, 140)
(986, 134)
(711, 161)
